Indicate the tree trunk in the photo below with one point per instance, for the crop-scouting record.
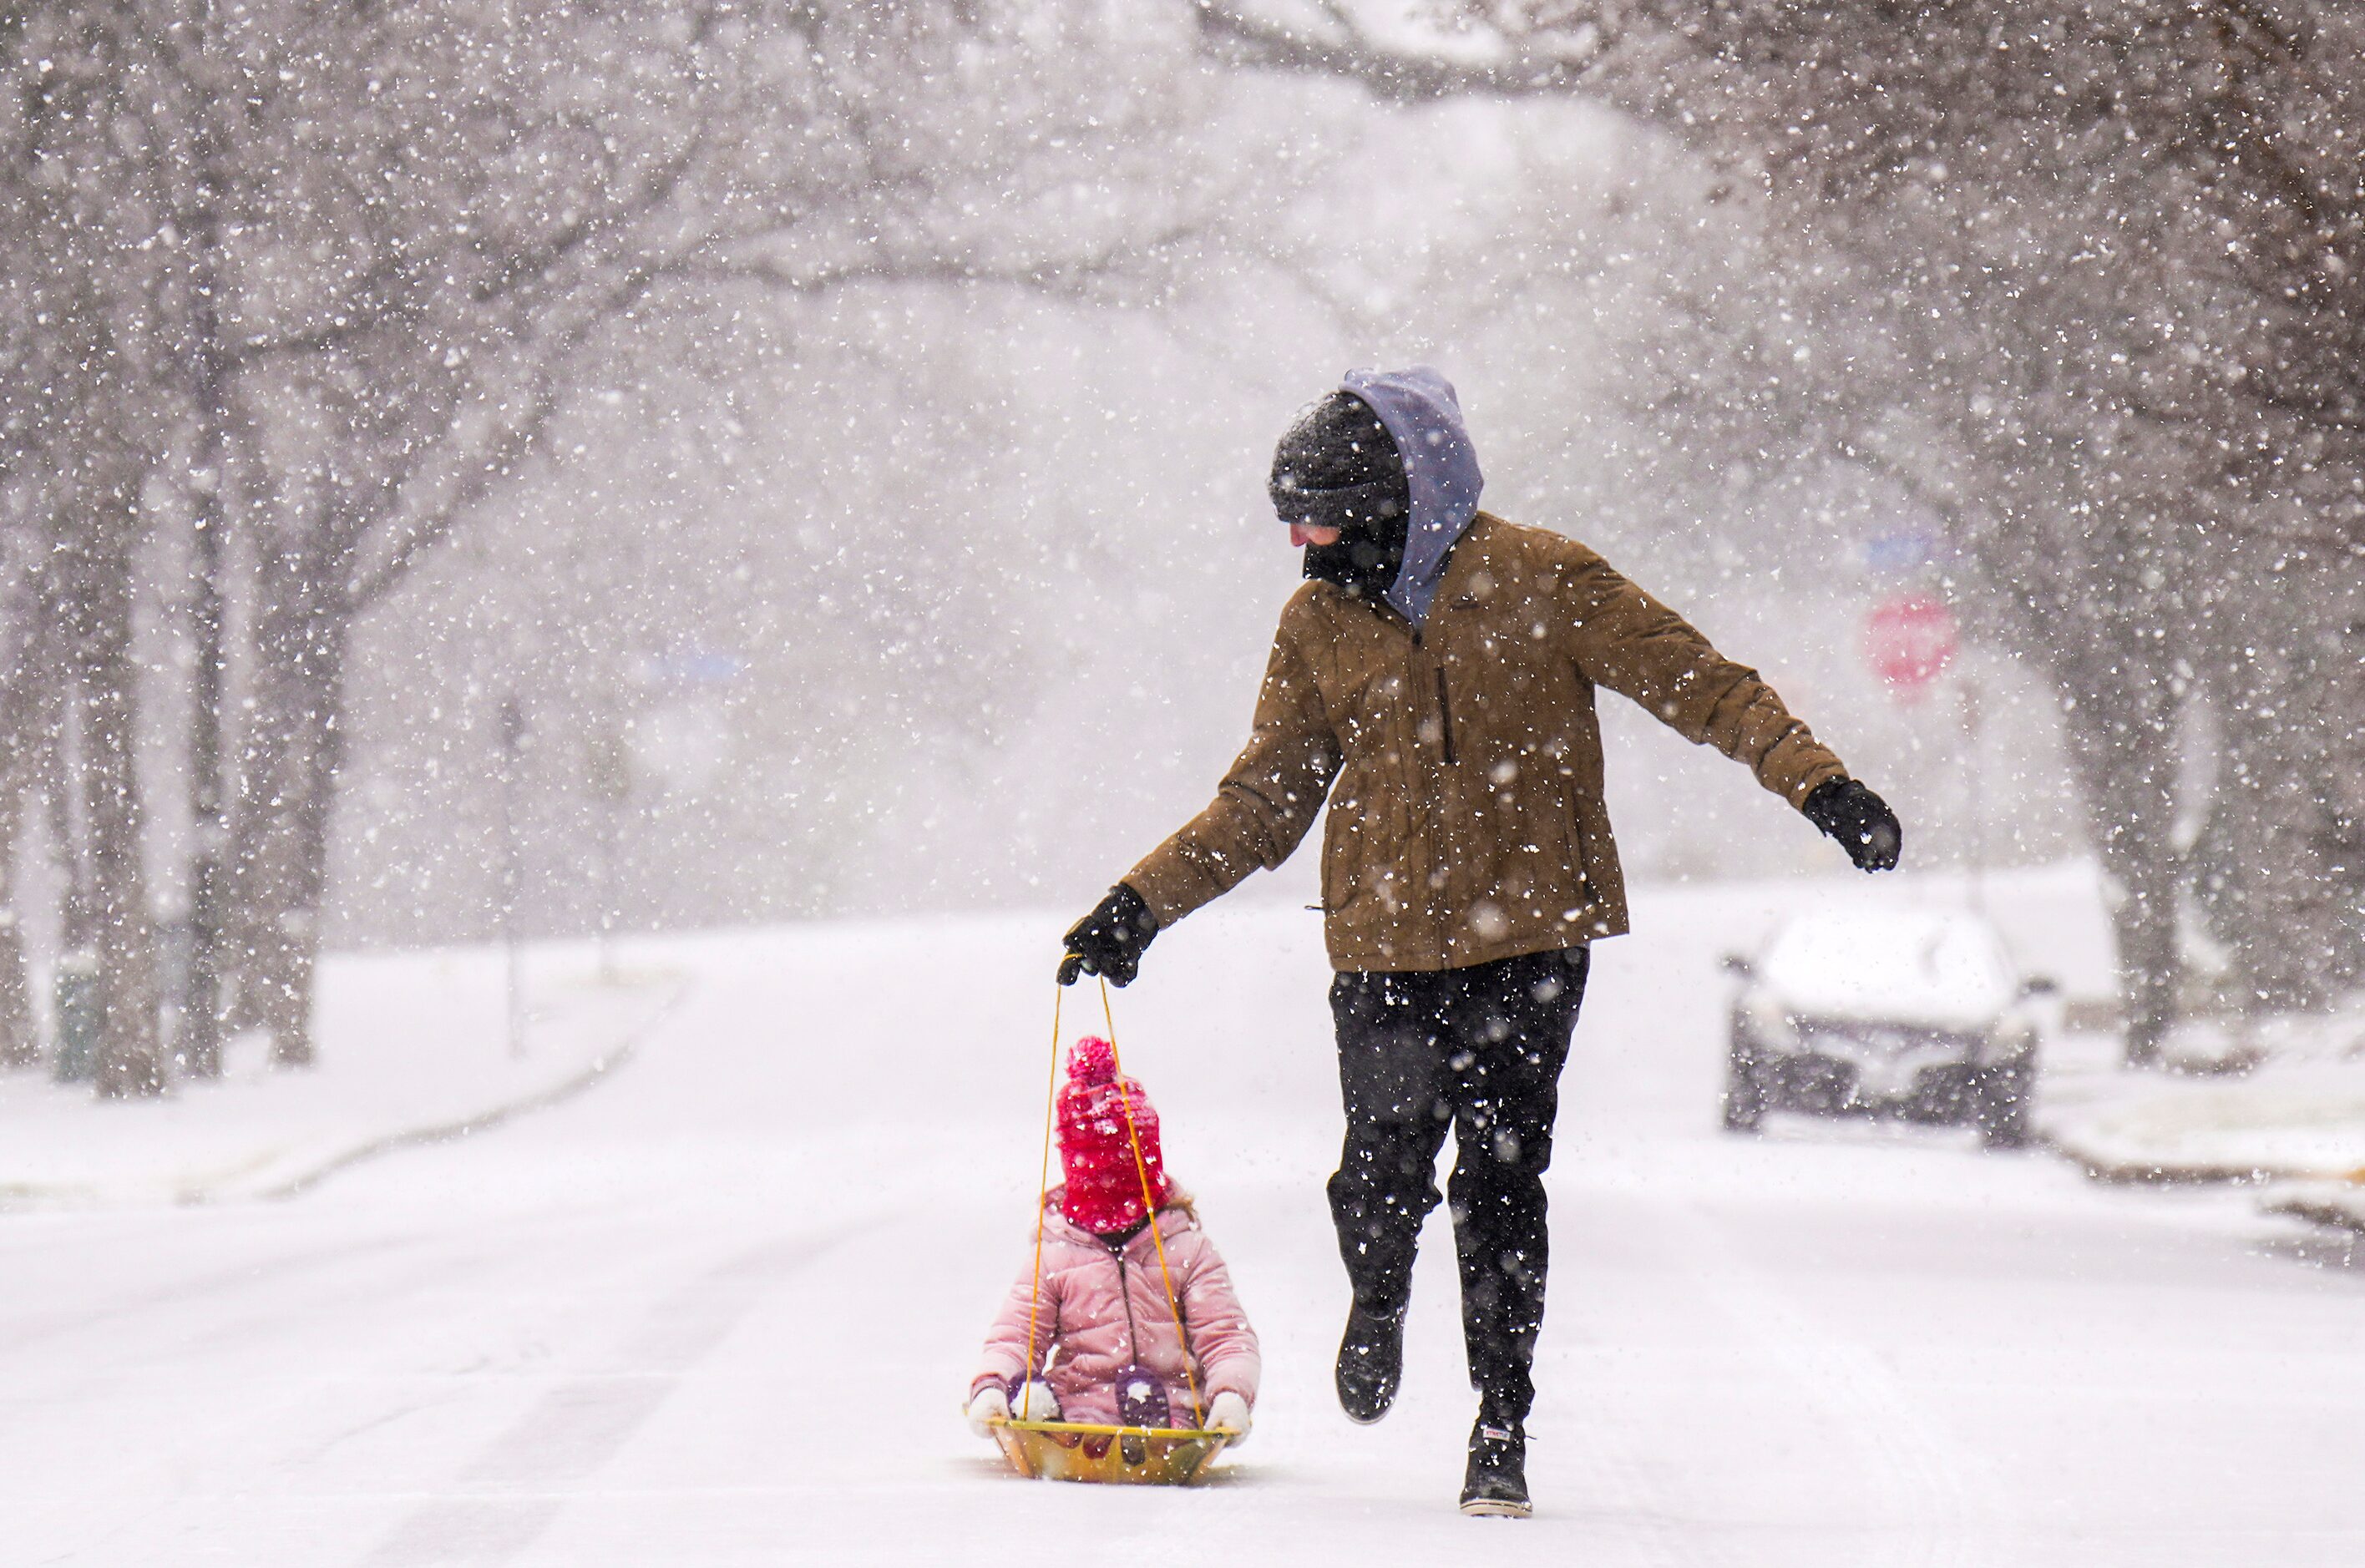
(20, 1038)
(201, 1017)
(77, 916)
(2278, 874)
(23, 725)
(293, 754)
(2121, 723)
(131, 1056)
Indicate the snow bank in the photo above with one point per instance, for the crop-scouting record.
(2338, 1204)
(411, 1050)
(2303, 1119)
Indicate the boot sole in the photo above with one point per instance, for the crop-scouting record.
(1497, 1509)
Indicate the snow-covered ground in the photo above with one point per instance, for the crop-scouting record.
(721, 1309)
(417, 1052)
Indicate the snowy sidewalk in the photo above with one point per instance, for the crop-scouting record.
(2287, 1110)
(411, 1050)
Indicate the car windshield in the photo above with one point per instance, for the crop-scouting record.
(1939, 969)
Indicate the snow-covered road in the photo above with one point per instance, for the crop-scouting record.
(721, 1310)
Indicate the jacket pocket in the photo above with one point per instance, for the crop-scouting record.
(1362, 840)
(1346, 823)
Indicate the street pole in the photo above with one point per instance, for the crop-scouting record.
(607, 965)
(608, 772)
(513, 978)
(1974, 834)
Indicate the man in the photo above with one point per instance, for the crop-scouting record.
(1435, 679)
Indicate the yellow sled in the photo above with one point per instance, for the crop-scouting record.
(1078, 1450)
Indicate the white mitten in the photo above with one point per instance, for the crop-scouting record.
(990, 1404)
(1036, 1401)
(1228, 1409)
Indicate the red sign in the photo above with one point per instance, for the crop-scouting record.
(1907, 641)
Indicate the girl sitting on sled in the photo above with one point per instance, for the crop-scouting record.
(1105, 1344)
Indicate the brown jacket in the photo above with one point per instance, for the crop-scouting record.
(1464, 760)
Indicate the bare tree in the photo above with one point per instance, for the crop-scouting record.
(84, 424)
(497, 204)
(332, 274)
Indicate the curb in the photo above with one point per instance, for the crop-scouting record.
(412, 1138)
(2341, 1209)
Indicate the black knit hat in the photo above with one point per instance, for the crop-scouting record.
(1336, 467)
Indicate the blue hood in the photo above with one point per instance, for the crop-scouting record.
(1441, 466)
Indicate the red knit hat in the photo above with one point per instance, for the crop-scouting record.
(1095, 1146)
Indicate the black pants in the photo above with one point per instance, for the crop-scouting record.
(1479, 1049)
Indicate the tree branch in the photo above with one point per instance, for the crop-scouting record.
(1235, 38)
(1065, 275)
(496, 464)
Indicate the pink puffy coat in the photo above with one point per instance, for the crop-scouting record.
(1104, 1309)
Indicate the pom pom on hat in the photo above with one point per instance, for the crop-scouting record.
(1094, 1061)
(1100, 1116)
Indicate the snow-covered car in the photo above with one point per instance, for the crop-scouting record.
(1920, 1013)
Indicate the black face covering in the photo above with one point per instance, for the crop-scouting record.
(1338, 467)
(1363, 564)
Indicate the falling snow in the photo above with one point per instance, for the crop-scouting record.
(586, 590)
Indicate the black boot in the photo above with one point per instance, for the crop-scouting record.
(1495, 1486)
(1370, 1362)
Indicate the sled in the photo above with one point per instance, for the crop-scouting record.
(1082, 1451)
(1140, 1456)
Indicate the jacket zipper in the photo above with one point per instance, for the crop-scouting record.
(1124, 1294)
(1132, 1333)
(1445, 739)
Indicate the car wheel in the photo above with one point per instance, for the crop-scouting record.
(2001, 1106)
(1745, 1092)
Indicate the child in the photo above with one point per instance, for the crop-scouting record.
(1103, 1336)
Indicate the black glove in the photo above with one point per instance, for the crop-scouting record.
(1859, 819)
(1109, 941)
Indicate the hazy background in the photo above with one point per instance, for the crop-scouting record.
(995, 578)
(771, 461)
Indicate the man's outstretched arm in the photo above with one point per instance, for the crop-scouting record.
(1625, 638)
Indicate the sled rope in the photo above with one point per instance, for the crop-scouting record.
(1042, 1195)
(1149, 1205)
